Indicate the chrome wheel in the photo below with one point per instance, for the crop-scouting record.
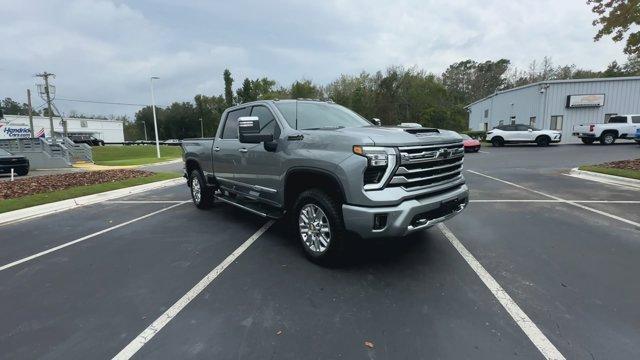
(608, 139)
(314, 228)
(196, 192)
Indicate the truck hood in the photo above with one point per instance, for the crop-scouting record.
(399, 136)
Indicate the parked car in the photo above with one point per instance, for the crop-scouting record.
(86, 139)
(470, 144)
(618, 127)
(519, 133)
(8, 161)
(330, 170)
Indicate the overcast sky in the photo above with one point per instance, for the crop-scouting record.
(107, 50)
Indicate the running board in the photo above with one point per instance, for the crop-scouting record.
(250, 205)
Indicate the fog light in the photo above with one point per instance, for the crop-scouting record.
(379, 221)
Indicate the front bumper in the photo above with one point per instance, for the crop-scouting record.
(407, 217)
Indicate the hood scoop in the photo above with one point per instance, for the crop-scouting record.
(422, 131)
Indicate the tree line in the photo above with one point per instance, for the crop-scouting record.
(395, 95)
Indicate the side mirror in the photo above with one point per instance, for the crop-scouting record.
(377, 122)
(530, 130)
(249, 131)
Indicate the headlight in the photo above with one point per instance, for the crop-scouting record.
(380, 163)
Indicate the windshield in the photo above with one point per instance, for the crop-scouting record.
(313, 115)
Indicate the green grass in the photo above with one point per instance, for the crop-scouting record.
(133, 155)
(632, 174)
(44, 198)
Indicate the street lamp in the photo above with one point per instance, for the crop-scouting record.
(144, 126)
(201, 127)
(155, 121)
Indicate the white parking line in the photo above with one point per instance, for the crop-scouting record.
(136, 344)
(548, 350)
(144, 201)
(42, 253)
(554, 201)
(570, 202)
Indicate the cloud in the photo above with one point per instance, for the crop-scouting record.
(107, 50)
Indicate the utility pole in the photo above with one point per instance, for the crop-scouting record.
(155, 121)
(30, 112)
(144, 125)
(201, 127)
(45, 75)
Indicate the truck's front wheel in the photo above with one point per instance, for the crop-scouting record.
(319, 225)
(201, 194)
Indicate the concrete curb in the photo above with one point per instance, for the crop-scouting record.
(46, 209)
(606, 179)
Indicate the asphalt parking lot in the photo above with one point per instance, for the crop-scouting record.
(97, 281)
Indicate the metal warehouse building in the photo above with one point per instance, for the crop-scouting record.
(558, 104)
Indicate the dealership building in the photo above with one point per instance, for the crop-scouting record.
(558, 104)
(17, 126)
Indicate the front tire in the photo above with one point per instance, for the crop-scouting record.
(201, 193)
(22, 171)
(543, 141)
(319, 226)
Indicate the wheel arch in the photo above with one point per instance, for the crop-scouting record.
(299, 179)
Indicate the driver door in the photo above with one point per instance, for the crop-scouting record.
(260, 170)
(522, 133)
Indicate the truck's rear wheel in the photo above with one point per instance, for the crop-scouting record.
(587, 141)
(201, 193)
(608, 138)
(319, 226)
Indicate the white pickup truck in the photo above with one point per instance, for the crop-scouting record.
(618, 127)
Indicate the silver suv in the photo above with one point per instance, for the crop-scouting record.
(332, 171)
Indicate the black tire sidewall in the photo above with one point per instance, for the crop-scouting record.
(331, 209)
(543, 141)
(497, 142)
(206, 199)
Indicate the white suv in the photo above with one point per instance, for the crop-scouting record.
(518, 133)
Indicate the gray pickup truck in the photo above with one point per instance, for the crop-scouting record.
(333, 172)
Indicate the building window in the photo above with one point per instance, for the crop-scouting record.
(83, 123)
(556, 122)
(486, 127)
(532, 121)
(501, 122)
(513, 120)
(486, 113)
(608, 116)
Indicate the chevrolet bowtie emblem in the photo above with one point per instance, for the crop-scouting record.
(443, 153)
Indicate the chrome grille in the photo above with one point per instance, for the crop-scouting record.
(428, 166)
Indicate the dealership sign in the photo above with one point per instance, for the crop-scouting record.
(8, 131)
(593, 100)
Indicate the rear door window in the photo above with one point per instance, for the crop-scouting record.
(635, 119)
(618, 120)
(231, 124)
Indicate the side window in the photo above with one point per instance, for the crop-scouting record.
(231, 124)
(268, 124)
(635, 119)
(522, 128)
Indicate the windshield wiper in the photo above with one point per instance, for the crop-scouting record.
(325, 128)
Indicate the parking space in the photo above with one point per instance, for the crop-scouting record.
(569, 269)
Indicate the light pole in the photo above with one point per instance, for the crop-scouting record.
(201, 127)
(155, 121)
(144, 125)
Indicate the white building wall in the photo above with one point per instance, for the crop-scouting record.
(543, 100)
(18, 126)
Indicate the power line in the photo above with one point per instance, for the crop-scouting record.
(102, 102)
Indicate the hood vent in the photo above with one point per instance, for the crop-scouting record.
(422, 131)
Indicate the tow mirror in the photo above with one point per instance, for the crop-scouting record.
(249, 131)
(377, 122)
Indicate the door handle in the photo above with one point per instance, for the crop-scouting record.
(217, 148)
(243, 150)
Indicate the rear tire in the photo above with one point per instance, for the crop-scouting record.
(608, 138)
(201, 193)
(497, 142)
(587, 141)
(319, 226)
(543, 140)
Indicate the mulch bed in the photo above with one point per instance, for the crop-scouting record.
(48, 183)
(623, 164)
